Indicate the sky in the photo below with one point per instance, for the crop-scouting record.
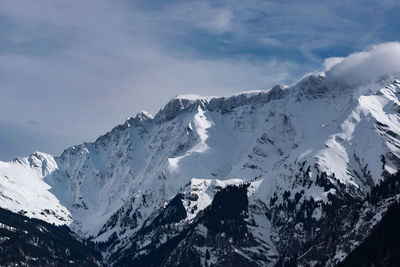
(72, 70)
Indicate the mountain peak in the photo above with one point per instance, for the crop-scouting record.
(177, 105)
(141, 116)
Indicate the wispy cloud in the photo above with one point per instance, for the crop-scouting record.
(201, 15)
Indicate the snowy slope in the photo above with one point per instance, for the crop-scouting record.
(23, 190)
(279, 140)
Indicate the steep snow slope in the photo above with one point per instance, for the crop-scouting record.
(280, 140)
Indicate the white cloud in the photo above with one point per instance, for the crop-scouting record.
(368, 65)
(332, 61)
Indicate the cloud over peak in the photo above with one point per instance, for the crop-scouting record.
(368, 65)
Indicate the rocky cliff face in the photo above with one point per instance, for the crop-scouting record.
(265, 178)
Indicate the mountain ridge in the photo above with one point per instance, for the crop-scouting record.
(302, 150)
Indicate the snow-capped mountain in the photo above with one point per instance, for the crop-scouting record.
(258, 178)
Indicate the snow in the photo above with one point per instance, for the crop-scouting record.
(8, 228)
(204, 189)
(192, 97)
(201, 124)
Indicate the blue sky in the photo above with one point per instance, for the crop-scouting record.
(71, 70)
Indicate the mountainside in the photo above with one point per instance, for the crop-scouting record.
(381, 248)
(273, 177)
(32, 242)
